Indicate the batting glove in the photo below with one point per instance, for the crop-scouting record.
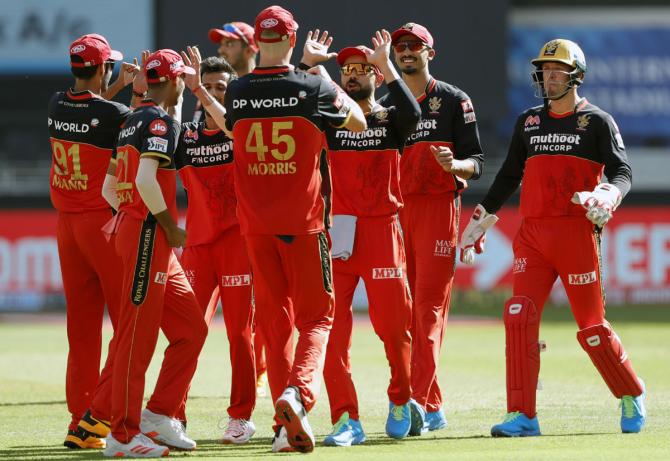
(599, 204)
(474, 235)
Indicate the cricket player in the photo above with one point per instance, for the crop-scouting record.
(83, 128)
(560, 149)
(277, 116)
(438, 159)
(367, 239)
(155, 293)
(215, 260)
(238, 46)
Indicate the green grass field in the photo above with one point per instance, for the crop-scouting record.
(578, 416)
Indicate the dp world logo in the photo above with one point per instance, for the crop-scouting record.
(268, 23)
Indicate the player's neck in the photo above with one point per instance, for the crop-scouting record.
(248, 68)
(367, 104)
(210, 124)
(159, 97)
(417, 81)
(565, 104)
(92, 85)
(274, 61)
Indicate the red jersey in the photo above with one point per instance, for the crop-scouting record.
(83, 128)
(447, 119)
(204, 161)
(148, 132)
(277, 116)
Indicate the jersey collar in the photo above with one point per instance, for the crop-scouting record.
(271, 70)
(429, 87)
(80, 95)
(580, 105)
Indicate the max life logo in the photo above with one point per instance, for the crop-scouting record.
(235, 280)
(532, 123)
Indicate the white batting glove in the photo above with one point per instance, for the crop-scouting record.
(599, 204)
(474, 235)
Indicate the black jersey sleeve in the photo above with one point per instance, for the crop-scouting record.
(509, 176)
(407, 113)
(228, 105)
(332, 105)
(466, 135)
(159, 140)
(613, 152)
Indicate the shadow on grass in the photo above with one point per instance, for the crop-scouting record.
(27, 404)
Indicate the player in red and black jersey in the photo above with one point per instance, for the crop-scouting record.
(277, 116)
(367, 240)
(560, 150)
(155, 292)
(83, 128)
(215, 260)
(438, 159)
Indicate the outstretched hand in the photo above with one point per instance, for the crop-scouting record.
(381, 42)
(192, 59)
(315, 50)
(140, 85)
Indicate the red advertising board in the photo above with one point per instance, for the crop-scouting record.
(636, 255)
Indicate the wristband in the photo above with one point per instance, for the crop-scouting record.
(138, 94)
(303, 66)
(197, 89)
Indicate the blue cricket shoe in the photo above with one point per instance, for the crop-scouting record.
(436, 420)
(633, 412)
(399, 421)
(516, 424)
(418, 424)
(346, 432)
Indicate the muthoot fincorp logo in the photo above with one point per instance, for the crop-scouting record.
(554, 142)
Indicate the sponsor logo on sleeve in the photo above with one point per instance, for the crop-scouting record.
(158, 127)
(156, 144)
(468, 111)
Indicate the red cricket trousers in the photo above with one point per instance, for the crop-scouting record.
(156, 296)
(544, 249)
(224, 264)
(91, 273)
(298, 269)
(430, 229)
(379, 259)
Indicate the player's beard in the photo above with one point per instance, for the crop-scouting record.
(361, 94)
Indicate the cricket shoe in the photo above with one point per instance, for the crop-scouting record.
(238, 431)
(280, 442)
(162, 429)
(516, 424)
(633, 412)
(418, 423)
(291, 414)
(346, 432)
(436, 420)
(399, 421)
(77, 439)
(139, 446)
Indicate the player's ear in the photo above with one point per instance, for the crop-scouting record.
(431, 54)
(293, 40)
(379, 79)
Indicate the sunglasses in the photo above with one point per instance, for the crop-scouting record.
(233, 29)
(413, 45)
(357, 67)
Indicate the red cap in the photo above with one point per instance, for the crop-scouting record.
(274, 19)
(417, 30)
(234, 31)
(163, 65)
(93, 49)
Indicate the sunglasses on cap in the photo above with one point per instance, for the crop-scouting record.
(233, 29)
(412, 45)
(357, 67)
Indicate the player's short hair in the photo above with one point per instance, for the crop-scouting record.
(85, 73)
(217, 64)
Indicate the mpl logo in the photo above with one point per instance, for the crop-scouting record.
(387, 273)
(582, 279)
(235, 280)
(77, 49)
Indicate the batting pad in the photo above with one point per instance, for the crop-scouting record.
(522, 325)
(608, 355)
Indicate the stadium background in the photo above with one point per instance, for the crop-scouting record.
(482, 47)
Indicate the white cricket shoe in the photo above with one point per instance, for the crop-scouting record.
(139, 446)
(163, 429)
(238, 431)
(292, 415)
(280, 442)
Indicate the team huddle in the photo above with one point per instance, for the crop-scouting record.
(299, 187)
